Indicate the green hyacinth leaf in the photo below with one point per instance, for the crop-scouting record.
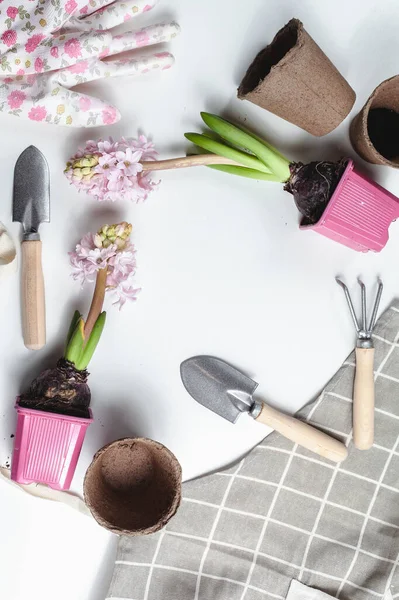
(276, 163)
(72, 327)
(220, 149)
(244, 172)
(92, 342)
(74, 348)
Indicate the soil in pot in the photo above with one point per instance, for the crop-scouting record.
(383, 130)
(313, 185)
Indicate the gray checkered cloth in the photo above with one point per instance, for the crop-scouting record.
(283, 513)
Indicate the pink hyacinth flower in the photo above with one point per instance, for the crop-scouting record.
(125, 291)
(128, 162)
(90, 256)
(116, 172)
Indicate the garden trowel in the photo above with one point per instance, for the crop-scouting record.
(228, 392)
(31, 207)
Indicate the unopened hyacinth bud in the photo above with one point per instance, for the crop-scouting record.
(82, 169)
(117, 234)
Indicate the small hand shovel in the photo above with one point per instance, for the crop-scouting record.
(31, 207)
(228, 392)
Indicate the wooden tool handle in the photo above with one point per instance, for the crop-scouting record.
(363, 399)
(33, 307)
(303, 434)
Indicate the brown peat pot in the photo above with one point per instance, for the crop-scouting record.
(133, 486)
(294, 79)
(374, 132)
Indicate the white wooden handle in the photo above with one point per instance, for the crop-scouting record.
(303, 434)
(363, 399)
(33, 306)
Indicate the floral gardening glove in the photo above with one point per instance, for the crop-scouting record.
(48, 46)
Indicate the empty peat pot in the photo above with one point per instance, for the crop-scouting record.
(133, 486)
(374, 132)
(294, 79)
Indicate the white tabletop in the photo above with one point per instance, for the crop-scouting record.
(223, 267)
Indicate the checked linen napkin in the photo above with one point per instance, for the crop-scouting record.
(282, 513)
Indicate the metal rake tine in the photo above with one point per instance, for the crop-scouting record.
(364, 316)
(376, 305)
(349, 301)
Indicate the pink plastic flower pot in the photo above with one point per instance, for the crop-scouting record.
(358, 214)
(47, 447)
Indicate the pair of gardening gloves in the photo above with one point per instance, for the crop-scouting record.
(47, 47)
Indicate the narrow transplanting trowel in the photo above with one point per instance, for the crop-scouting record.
(31, 206)
(228, 392)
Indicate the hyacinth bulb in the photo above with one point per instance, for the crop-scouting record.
(63, 390)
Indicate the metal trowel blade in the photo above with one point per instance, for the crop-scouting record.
(218, 386)
(31, 199)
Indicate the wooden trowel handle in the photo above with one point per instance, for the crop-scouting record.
(303, 434)
(33, 306)
(363, 399)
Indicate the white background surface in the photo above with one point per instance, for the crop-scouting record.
(222, 264)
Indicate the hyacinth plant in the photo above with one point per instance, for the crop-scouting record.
(311, 185)
(108, 257)
(111, 170)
